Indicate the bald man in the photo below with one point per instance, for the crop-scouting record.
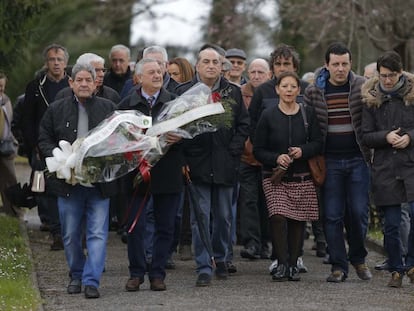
(253, 214)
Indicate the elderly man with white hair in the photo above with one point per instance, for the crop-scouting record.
(101, 90)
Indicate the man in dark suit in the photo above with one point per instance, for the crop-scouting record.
(165, 187)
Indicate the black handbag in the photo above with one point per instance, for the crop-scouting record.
(7, 147)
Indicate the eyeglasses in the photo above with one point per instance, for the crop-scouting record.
(385, 76)
(55, 59)
(238, 62)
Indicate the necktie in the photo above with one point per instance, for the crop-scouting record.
(150, 100)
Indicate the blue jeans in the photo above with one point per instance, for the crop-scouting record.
(346, 205)
(85, 206)
(392, 237)
(217, 200)
(410, 245)
(165, 208)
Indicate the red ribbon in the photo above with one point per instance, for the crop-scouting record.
(144, 168)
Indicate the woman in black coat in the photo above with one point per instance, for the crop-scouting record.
(282, 140)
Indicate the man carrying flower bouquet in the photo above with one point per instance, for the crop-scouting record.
(213, 160)
(165, 185)
(83, 207)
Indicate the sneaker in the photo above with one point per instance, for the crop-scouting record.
(396, 280)
(382, 265)
(273, 267)
(203, 280)
(336, 276)
(363, 272)
(301, 266)
(326, 260)
(281, 274)
(410, 274)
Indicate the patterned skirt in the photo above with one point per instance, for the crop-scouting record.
(294, 200)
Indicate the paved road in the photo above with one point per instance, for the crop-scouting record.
(250, 288)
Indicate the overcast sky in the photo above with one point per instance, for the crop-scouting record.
(180, 24)
(181, 21)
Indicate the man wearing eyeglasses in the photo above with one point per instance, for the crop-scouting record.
(40, 93)
(336, 96)
(237, 58)
(388, 128)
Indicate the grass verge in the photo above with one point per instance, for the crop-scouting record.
(16, 287)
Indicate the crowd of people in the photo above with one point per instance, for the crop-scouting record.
(251, 176)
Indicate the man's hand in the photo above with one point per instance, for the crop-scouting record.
(172, 138)
(402, 142)
(397, 141)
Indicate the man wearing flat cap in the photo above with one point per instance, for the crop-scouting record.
(237, 58)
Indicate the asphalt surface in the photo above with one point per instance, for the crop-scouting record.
(250, 288)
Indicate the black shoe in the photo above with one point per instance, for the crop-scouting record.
(320, 249)
(250, 253)
(221, 270)
(91, 292)
(57, 244)
(231, 268)
(170, 265)
(281, 274)
(124, 237)
(382, 266)
(203, 279)
(265, 252)
(74, 287)
(293, 274)
(44, 227)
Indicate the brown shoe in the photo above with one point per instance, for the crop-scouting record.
(363, 272)
(157, 285)
(410, 274)
(336, 276)
(396, 280)
(57, 244)
(133, 284)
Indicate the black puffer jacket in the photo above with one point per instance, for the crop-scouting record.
(60, 122)
(392, 169)
(215, 157)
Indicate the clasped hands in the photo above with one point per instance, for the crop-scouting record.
(396, 140)
(286, 158)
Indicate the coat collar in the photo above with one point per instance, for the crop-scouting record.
(373, 97)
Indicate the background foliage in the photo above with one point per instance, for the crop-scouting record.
(368, 27)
